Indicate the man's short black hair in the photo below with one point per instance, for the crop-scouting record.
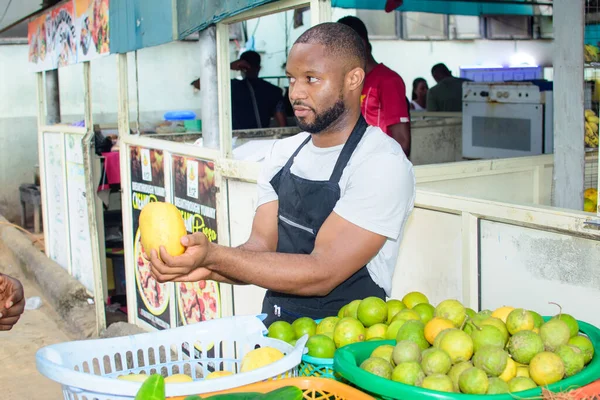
(440, 68)
(356, 24)
(252, 58)
(339, 39)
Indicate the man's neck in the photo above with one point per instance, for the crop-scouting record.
(338, 132)
(371, 64)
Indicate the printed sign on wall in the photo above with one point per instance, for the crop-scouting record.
(194, 194)
(148, 185)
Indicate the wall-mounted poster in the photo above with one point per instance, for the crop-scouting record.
(92, 29)
(73, 31)
(147, 185)
(56, 203)
(194, 194)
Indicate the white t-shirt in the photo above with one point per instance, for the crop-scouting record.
(377, 188)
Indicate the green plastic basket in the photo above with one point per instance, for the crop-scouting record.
(317, 367)
(348, 358)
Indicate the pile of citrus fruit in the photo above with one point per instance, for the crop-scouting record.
(448, 347)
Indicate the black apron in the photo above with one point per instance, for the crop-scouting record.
(303, 207)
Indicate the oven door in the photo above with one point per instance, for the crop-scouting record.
(500, 130)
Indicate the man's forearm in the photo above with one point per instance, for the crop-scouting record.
(250, 245)
(298, 274)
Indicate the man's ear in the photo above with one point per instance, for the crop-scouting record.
(355, 78)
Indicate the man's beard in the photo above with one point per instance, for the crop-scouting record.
(325, 119)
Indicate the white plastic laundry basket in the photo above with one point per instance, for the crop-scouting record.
(88, 369)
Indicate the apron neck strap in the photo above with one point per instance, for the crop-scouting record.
(290, 161)
(349, 147)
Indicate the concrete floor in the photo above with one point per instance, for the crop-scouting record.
(19, 378)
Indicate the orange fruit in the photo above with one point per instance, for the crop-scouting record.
(435, 326)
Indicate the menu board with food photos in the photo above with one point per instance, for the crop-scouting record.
(148, 185)
(72, 31)
(194, 194)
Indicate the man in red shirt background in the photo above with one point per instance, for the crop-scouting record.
(383, 100)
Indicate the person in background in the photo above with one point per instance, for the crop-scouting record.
(254, 101)
(12, 301)
(383, 100)
(447, 94)
(419, 95)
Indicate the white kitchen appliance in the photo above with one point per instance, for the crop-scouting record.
(502, 120)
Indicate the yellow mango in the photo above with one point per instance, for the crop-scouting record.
(161, 224)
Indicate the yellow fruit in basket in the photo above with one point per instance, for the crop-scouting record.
(259, 358)
(591, 193)
(546, 368)
(377, 330)
(371, 311)
(502, 313)
(413, 298)
(589, 205)
(394, 307)
(178, 378)
(348, 331)
(327, 325)
(510, 371)
(519, 320)
(435, 326)
(523, 371)
(589, 113)
(593, 118)
(161, 224)
(453, 311)
(218, 374)
(133, 377)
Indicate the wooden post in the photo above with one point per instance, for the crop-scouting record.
(569, 151)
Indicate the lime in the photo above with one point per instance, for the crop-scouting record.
(384, 351)
(458, 345)
(281, 330)
(377, 366)
(409, 373)
(304, 326)
(519, 320)
(327, 325)
(453, 311)
(371, 311)
(491, 359)
(413, 298)
(435, 361)
(520, 383)
(352, 309)
(320, 346)
(571, 323)
(439, 382)
(413, 331)
(546, 368)
(473, 381)
(497, 386)
(377, 330)
(585, 345)
(394, 307)
(406, 351)
(455, 372)
(425, 311)
(347, 331)
(572, 358)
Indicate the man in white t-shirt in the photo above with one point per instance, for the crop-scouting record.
(332, 201)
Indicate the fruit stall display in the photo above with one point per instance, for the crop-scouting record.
(414, 349)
